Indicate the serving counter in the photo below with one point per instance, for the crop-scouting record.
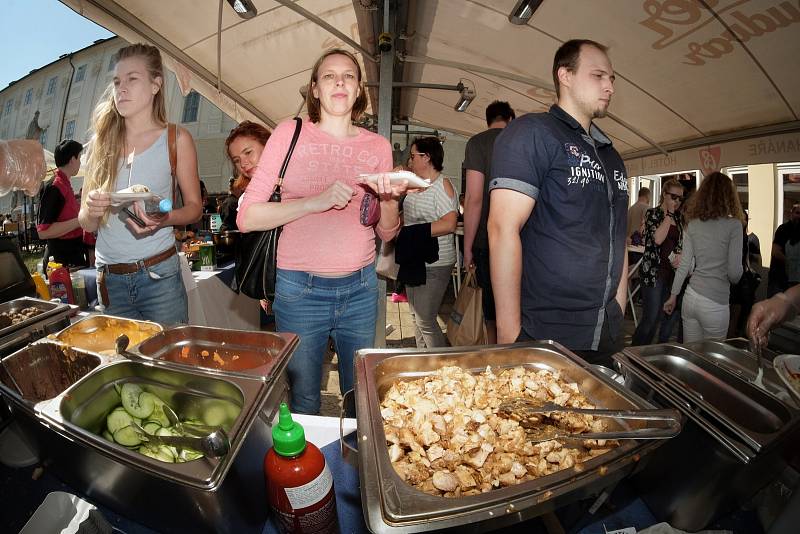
(63, 387)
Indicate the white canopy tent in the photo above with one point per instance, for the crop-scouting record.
(691, 75)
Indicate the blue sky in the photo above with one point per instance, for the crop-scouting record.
(36, 32)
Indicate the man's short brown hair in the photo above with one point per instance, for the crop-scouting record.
(312, 103)
(568, 55)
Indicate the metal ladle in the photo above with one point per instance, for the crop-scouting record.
(121, 345)
(213, 445)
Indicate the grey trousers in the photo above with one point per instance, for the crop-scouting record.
(425, 302)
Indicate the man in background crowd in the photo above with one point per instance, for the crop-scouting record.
(636, 217)
(478, 163)
(58, 211)
(784, 269)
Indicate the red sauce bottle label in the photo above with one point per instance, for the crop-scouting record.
(314, 507)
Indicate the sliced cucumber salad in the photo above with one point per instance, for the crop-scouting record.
(145, 410)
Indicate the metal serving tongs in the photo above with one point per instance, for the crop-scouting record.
(525, 410)
(756, 346)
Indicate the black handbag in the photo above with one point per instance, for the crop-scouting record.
(257, 252)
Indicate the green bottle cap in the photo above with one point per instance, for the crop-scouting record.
(288, 437)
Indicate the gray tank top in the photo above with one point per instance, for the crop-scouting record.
(115, 242)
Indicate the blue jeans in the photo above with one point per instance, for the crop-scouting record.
(653, 299)
(316, 308)
(155, 293)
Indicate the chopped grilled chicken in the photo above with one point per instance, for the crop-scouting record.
(446, 436)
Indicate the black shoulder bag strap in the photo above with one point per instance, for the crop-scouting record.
(276, 192)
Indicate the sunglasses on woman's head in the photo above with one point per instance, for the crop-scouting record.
(676, 198)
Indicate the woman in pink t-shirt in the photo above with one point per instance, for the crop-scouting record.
(326, 284)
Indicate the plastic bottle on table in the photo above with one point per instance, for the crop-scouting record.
(42, 290)
(79, 289)
(299, 484)
(52, 265)
(157, 207)
(61, 285)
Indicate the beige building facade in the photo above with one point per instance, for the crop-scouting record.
(66, 91)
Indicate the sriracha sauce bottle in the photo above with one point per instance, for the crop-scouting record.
(299, 483)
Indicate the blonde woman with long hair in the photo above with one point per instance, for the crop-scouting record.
(712, 243)
(138, 268)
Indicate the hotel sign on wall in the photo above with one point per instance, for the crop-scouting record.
(778, 148)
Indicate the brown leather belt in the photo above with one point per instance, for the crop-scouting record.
(130, 268)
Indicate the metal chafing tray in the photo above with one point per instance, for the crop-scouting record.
(45, 307)
(44, 370)
(236, 352)
(98, 333)
(54, 317)
(215, 495)
(735, 438)
(752, 414)
(392, 505)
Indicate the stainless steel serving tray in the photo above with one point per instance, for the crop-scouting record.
(258, 354)
(53, 318)
(80, 413)
(754, 415)
(43, 371)
(98, 333)
(392, 505)
(47, 308)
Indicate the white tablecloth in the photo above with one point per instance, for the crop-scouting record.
(212, 303)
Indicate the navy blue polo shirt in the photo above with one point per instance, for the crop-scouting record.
(573, 244)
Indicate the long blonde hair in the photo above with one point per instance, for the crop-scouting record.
(109, 126)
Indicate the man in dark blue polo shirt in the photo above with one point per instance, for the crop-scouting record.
(557, 270)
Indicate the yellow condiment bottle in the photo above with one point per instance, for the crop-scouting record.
(42, 289)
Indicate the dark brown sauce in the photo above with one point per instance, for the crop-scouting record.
(218, 358)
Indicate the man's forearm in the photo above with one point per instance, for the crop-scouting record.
(622, 288)
(57, 229)
(472, 217)
(506, 272)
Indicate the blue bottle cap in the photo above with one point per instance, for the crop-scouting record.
(165, 205)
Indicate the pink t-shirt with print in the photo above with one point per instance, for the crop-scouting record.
(335, 240)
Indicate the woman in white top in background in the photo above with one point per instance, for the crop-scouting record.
(138, 268)
(437, 205)
(712, 242)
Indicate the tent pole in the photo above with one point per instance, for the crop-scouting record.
(385, 129)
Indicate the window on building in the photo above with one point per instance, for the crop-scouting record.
(190, 106)
(80, 74)
(789, 195)
(69, 130)
(51, 85)
(740, 178)
(111, 62)
(9, 106)
(28, 96)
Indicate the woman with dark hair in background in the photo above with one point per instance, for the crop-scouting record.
(663, 239)
(712, 243)
(326, 284)
(434, 212)
(244, 146)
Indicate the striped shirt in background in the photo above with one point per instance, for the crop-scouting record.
(429, 206)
